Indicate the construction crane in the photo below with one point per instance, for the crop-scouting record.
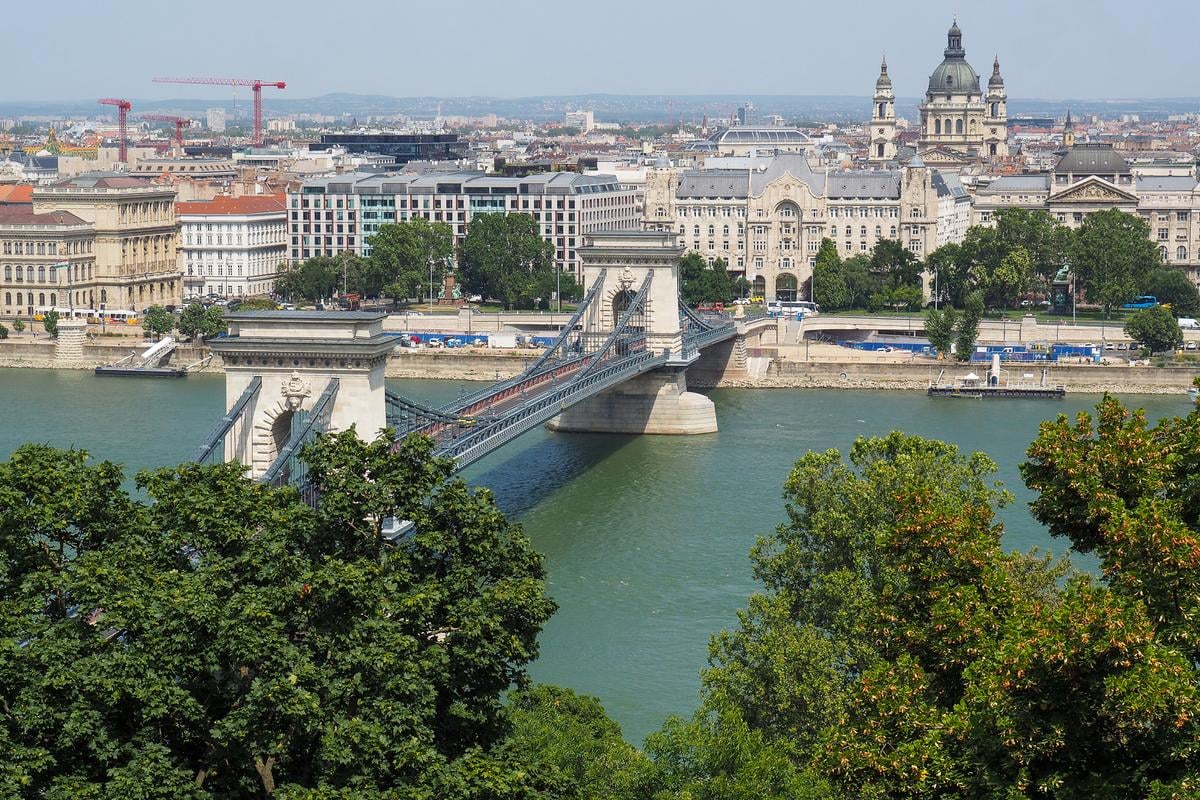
(123, 107)
(180, 124)
(256, 86)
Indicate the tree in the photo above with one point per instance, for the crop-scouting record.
(1011, 277)
(968, 325)
(940, 327)
(1112, 255)
(1173, 287)
(1041, 236)
(829, 286)
(312, 279)
(895, 264)
(951, 278)
(3, 331)
(402, 254)
(157, 321)
(257, 304)
(704, 283)
(197, 321)
(50, 322)
(1155, 328)
(502, 254)
(224, 639)
(18, 325)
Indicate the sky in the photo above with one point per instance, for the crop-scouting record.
(1049, 50)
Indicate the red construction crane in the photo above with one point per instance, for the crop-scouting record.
(255, 85)
(123, 107)
(180, 124)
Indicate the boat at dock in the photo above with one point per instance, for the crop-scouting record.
(996, 385)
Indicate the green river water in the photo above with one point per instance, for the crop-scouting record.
(645, 537)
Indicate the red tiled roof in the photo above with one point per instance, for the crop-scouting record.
(22, 214)
(16, 193)
(248, 204)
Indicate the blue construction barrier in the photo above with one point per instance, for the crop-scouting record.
(890, 347)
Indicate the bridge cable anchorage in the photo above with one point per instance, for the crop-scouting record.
(636, 306)
(287, 468)
(408, 416)
(216, 437)
(561, 349)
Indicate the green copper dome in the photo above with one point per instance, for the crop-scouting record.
(954, 74)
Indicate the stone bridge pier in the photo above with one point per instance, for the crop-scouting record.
(297, 354)
(656, 401)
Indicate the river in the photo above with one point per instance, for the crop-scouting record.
(645, 537)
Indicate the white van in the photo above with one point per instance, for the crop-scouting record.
(1188, 323)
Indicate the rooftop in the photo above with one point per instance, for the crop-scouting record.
(22, 214)
(235, 206)
(1092, 159)
(103, 180)
(16, 193)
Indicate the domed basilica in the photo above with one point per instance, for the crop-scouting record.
(960, 122)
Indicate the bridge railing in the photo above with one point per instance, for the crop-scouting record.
(212, 448)
(471, 447)
(288, 468)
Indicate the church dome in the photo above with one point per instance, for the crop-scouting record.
(954, 74)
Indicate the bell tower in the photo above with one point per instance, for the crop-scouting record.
(1068, 139)
(995, 123)
(883, 118)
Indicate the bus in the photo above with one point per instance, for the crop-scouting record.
(787, 308)
(112, 316)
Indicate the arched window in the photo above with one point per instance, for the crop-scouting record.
(7, 272)
(1162, 254)
(937, 126)
(949, 80)
(878, 231)
(41, 298)
(53, 299)
(785, 287)
(849, 231)
(995, 109)
(879, 150)
(29, 273)
(41, 274)
(20, 299)
(1181, 253)
(863, 231)
(881, 107)
(8, 298)
(958, 126)
(760, 286)
(892, 232)
(104, 295)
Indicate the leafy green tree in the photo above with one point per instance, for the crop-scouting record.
(403, 252)
(50, 322)
(18, 325)
(968, 325)
(952, 277)
(312, 279)
(829, 286)
(258, 304)
(1011, 277)
(3, 331)
(940, 328)
(895, 264)
(197, 321)
(545, 284)
(227, 640)
(571, 734)
(1173, 287)
(1112, 255)
(704, 283)
(1156, 328)
(502, 255)
(157, 321)
(1041, 236)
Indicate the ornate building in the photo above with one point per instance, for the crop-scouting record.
(959, 121)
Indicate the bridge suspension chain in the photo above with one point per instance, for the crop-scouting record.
(408, 416)
(288, 468)
(212, 449)
(636, 307)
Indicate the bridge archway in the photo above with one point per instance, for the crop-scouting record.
(785, 287)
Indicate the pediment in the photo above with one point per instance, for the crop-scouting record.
(945, 155)
(1093, 190)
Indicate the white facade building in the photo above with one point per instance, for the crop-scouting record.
(232, 246)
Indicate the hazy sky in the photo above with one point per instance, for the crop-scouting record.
(75, 49)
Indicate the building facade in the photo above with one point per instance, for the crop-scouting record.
(135, 262)
(331, 215)
(959, 121)
(1093, 177)
(405, 147)
(768, 218)
(46, 260)
(232, 246)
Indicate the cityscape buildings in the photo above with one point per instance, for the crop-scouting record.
(232, 246)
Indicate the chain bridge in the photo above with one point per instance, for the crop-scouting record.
(618, 366)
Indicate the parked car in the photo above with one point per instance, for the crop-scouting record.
(474, 298)
(1191, 345)
(433, 341)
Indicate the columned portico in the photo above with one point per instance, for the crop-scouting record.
(297, 354)
(657, 401)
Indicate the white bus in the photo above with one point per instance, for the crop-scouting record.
(804, 308)
(63, 313)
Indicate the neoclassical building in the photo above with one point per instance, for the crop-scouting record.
(960, 122)
(766, 215)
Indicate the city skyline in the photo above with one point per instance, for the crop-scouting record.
(535, 48)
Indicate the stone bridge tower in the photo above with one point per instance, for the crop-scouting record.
(296, 354)
(657, 401)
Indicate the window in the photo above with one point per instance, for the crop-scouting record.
(7, 273)
(863, 231)
(958, 126)
(892, 232)
(1162, 234)
(1162, 253)
(1181, 253)
(1181, 216)
(937, 126)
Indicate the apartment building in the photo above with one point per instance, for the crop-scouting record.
(332, 215)
(766, 218)
(232, 246)
(32, 246)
